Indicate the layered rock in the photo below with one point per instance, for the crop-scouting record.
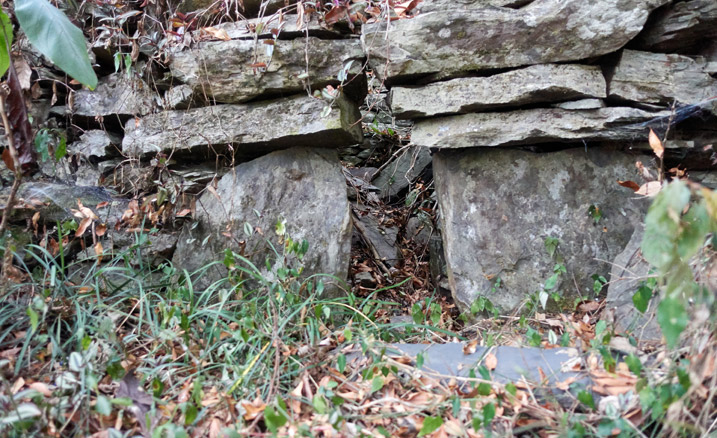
(402, 171)
(534, 84)
(656, 78)
(303, 187)
(249, 129)
(526, 127)
(115, 95)
(449, 41)
(236, 71)
(498, 206)
(680, 26)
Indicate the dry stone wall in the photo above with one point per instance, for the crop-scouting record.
(526, 111)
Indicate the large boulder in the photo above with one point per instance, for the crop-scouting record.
(498, 207)
(302, 186)
(527, 127)
(534, 84)
(250, 129)
(481, 36)
(254, 69)
(660, 79)
(680, 26)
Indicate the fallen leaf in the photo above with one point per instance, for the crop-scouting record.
(84, 224)
(253, 409)
(42, 388)
(219, 34)
(184, 212)
(17, 386)
(632, 185)
(491, 361)
(470, 347)
(656, 144)
(650, 189)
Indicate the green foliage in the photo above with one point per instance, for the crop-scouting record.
(551, 244)
(52, 33)
(430, 425)
(677, 226)
(5, 42)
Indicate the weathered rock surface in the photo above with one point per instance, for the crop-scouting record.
(95, 145)
(538, 83)
(286, 26)
(115, 95)
(250, 128)
(182, 97)
(532, 126)
(381, 238)
(232, 79)
(248, 8)
(449, 41)
(629, 271)
(402, 171)
(303, 186)
(656, 78)
(581, 104)
(499, 205)
(680, 26)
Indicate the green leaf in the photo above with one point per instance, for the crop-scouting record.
(61, 149)
(551, 282)
(273, 419)
(52, 33)
(551, 244)
(662, 225)
(488, 413)
(586, 398)
(511, 389)
(484, 389)
(376, 384)
(641, 298)
(103, 405)
(34, 318)
(22, 411)
(319, 404)
(5, 43)
(430, 425)
(672, 317)
(695, 227)
(341, 362)
(634, 364)
(190, 413)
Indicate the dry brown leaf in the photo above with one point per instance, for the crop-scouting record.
(650, 189)
(491, 361)
(219, 34)
(84, 224)
(184, 212)
(656, 144)
(17, 386)
(100, 230)
(470, 346)
(86, 212)
(42, 388)
(632, 185)
(253, 409)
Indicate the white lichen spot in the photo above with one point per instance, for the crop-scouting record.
(444, 33)
(558, 184)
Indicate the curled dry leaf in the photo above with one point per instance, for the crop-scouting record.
(84, 224)
(253, 409)
(100, 230)
(656, 144)
(470, 346)
(213, 32)
(650, 189)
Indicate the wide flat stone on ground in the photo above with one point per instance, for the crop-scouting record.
(498, 206)
(480, 36)
(251, 129)
(532, 126)
(534, 84)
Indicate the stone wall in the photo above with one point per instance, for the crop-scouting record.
(528, 112)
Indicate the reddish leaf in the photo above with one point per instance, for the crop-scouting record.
(632, 185)
(20, 123)
(258, 65)
(335, 14)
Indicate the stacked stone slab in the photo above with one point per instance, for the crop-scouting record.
(533, 110)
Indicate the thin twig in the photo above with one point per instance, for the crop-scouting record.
(15, 161)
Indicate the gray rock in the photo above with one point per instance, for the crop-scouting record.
(181, 97)
(381, 238)
(498, 207)
(706, 178)
(629, 270)
(532, 126)
(95, 145)
(402, 171)
(248, 8)
(286, 26)
(449, 41)
(581, 104)
(365, 279)
(467, 5)
(250, 128)
(656, 78)
(231, 79)
(680, 26)
(419, 230)
(303, 186)
(534, 84)
(115, 94)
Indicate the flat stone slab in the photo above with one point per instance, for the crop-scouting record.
(402, 171)
(303, 187)
(252, 128)
(680, 26)
(495, 226)
(284, 26)
(115, 95)
(236, 71)
(660, 79)
(481, 36)
(534, 84)
(525, 127)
